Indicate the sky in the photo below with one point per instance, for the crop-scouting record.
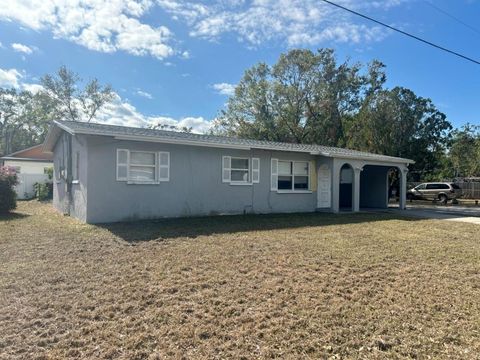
(176, 62)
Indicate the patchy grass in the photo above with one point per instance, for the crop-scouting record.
(288, 286)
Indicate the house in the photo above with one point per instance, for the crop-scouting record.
(106, 173)
(31, 167)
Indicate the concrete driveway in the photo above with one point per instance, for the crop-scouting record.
(469, 214)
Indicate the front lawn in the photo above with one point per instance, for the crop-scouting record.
(288, 286)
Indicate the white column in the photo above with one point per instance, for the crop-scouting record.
(403, 189)
(335, 186)
(356, 188)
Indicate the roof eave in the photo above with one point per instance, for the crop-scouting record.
(368, 158)
(25, 159)
(53, 133)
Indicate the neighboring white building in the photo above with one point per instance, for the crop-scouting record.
(31, 166)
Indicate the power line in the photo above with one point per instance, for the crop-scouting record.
(404, 33)
(452, 16)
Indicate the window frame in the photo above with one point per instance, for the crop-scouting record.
(154, 166)
(248, 169)
(292, 175)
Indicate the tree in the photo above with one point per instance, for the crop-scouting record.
(464, 153)
(305, 97)
(70, 101)
(24, 119)
(308, 97)
(397, 122)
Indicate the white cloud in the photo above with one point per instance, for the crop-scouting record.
(10, 78)
(144, 94)
(33, 88)
(295, 22)
(101, 25)
(225, 88)
(120, 112)
(22, 48)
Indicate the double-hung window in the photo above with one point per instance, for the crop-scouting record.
(142, 166)
(240, 171)
(290, 175)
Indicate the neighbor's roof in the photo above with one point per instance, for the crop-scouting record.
(34, 153)
(163, 136)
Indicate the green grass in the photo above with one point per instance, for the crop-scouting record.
(366, 286)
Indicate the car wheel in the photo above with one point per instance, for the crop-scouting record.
(409, 197)
(443, 199)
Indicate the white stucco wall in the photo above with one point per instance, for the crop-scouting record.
(29, 167)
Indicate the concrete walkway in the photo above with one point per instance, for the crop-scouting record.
(441, 212)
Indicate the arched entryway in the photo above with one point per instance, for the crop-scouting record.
(345, 199)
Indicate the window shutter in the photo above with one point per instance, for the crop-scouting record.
(274, 175)
(255, 170)
(163, 166)
(122, 164)
(226, 169)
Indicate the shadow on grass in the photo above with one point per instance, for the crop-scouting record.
(12, 216)
(192, 227)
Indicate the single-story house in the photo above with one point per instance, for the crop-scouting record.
(31, 166)
(105, 173)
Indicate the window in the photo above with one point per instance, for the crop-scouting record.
(240, 171)
(143, 166)
(290, 175)
(421, 187)
(437, 187)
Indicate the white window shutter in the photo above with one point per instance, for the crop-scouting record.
(274, 175)
(255, 170)
(226, 169)
(163, 166)
(122, 164)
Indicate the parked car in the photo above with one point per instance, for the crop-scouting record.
(435, 191)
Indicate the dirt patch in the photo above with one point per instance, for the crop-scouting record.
(280, 286)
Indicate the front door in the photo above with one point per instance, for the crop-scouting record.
(324, 191)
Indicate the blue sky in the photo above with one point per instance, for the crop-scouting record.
(176, 61)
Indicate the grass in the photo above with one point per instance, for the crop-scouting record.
(365, 286)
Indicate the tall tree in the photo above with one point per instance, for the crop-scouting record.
(399, 123)
(70, 100)
(305, 97)
(464, 152)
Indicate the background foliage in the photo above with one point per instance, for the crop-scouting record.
(305, 97)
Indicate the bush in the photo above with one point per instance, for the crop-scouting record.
(44, 191)
(8, 196)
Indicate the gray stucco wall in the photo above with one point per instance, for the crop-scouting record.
(195, 186)
(373, 187)
(59, 185)
(77, 206)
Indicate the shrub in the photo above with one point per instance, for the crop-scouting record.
(8, 196)
(44, 191)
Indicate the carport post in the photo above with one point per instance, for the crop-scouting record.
(403, 189)
(356, 188)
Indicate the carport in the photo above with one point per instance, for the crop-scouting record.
(360, 182)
